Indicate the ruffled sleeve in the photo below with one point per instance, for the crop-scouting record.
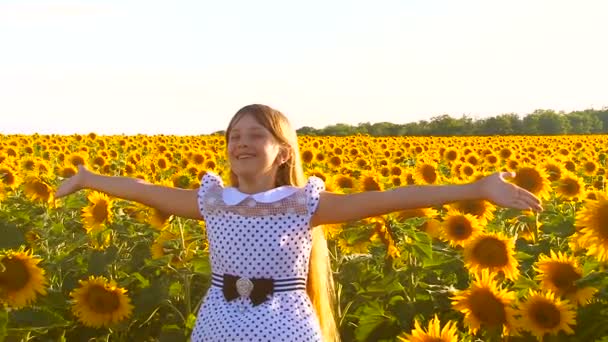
(208, 181)
(313, 189)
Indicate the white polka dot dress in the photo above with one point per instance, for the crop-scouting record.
(264, 235)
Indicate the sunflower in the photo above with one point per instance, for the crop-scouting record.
(459, 228)
(158, 219)
(493, 252)
(554, 169)
(484, 303)
(9, 177)
(431, 226)
(369, 182)
(335, 161)
(450, 154)
(533, 179)
(481, 209)
(181, 179)
(543, 313)
(307, 156)
(167, 244)
(21, 280)
(101, 241)
(559, 273)
(359, 247)
(98, 213)
(505, 153)
(38, 190)
(77, 158)
(383, 232)
(467, 170)
(28, 164)
(491, 159)
(592, 227)
(589, 167)
(343, 182)
(434, 333)
(570, 186)
(99, 302)
(427, 173)
(67, 171)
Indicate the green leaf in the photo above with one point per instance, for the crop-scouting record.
(172, 333)
(190, 321)
(176, 289)
(12, 236)
(143, 282)
(99, 260)
(374, 324)
(201, 265)
(3, 324)
(147, 299)
(36, 318)
(595, 279)
(590, 265)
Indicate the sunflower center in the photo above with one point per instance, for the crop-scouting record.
(563, 276)
(487, 308)
(602, 219)
(545, 315)
(101, 300)
(100, 211)
(570, 187)
(429, 174)
(529, 179)
(491, 252)
(15, 275)
(369, 184)
(461, 228)
(554, 172)
(41, 189)
(476, 208)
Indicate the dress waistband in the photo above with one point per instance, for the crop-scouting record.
(279, 285)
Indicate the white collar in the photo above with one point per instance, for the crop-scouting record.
(232, 195)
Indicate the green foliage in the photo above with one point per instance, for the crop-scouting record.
(539, 122)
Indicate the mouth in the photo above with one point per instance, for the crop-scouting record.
(245, 156)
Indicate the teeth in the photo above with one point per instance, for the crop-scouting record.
(245, 156)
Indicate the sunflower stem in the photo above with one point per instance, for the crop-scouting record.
(186, 277)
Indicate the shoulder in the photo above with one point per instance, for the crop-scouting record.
(211, 178)
(314, 184)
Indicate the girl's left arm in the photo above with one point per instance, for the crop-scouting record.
(336, 208)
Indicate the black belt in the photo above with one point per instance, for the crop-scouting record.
(256, 289)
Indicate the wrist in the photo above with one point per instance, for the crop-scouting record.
(85, 179)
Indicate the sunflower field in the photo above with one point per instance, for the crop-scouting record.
(89, 267)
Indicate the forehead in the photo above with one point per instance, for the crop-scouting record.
(247, 123)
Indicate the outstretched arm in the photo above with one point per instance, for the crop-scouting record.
(179, 202)
(335, 208)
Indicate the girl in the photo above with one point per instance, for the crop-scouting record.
(271, 279)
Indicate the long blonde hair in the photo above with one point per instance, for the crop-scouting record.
(320, 284)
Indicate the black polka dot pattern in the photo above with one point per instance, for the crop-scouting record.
(258, 240)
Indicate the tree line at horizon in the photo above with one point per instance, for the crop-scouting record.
(539, 122)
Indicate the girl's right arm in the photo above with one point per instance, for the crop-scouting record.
(176, 201)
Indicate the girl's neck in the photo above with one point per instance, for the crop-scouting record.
(255, 185)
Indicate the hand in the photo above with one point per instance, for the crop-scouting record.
(72, 184)
(495, 189)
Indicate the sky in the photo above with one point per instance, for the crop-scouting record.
(185, 67)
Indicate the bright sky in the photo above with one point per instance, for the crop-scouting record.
(185, 67)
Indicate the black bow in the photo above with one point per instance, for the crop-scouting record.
(262, 287)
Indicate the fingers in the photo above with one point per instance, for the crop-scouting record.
(527, 195)
(507, 175)
(528, 202)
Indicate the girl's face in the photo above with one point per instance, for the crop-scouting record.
(252, 149)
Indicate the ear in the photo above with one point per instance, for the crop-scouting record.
(283, 155)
